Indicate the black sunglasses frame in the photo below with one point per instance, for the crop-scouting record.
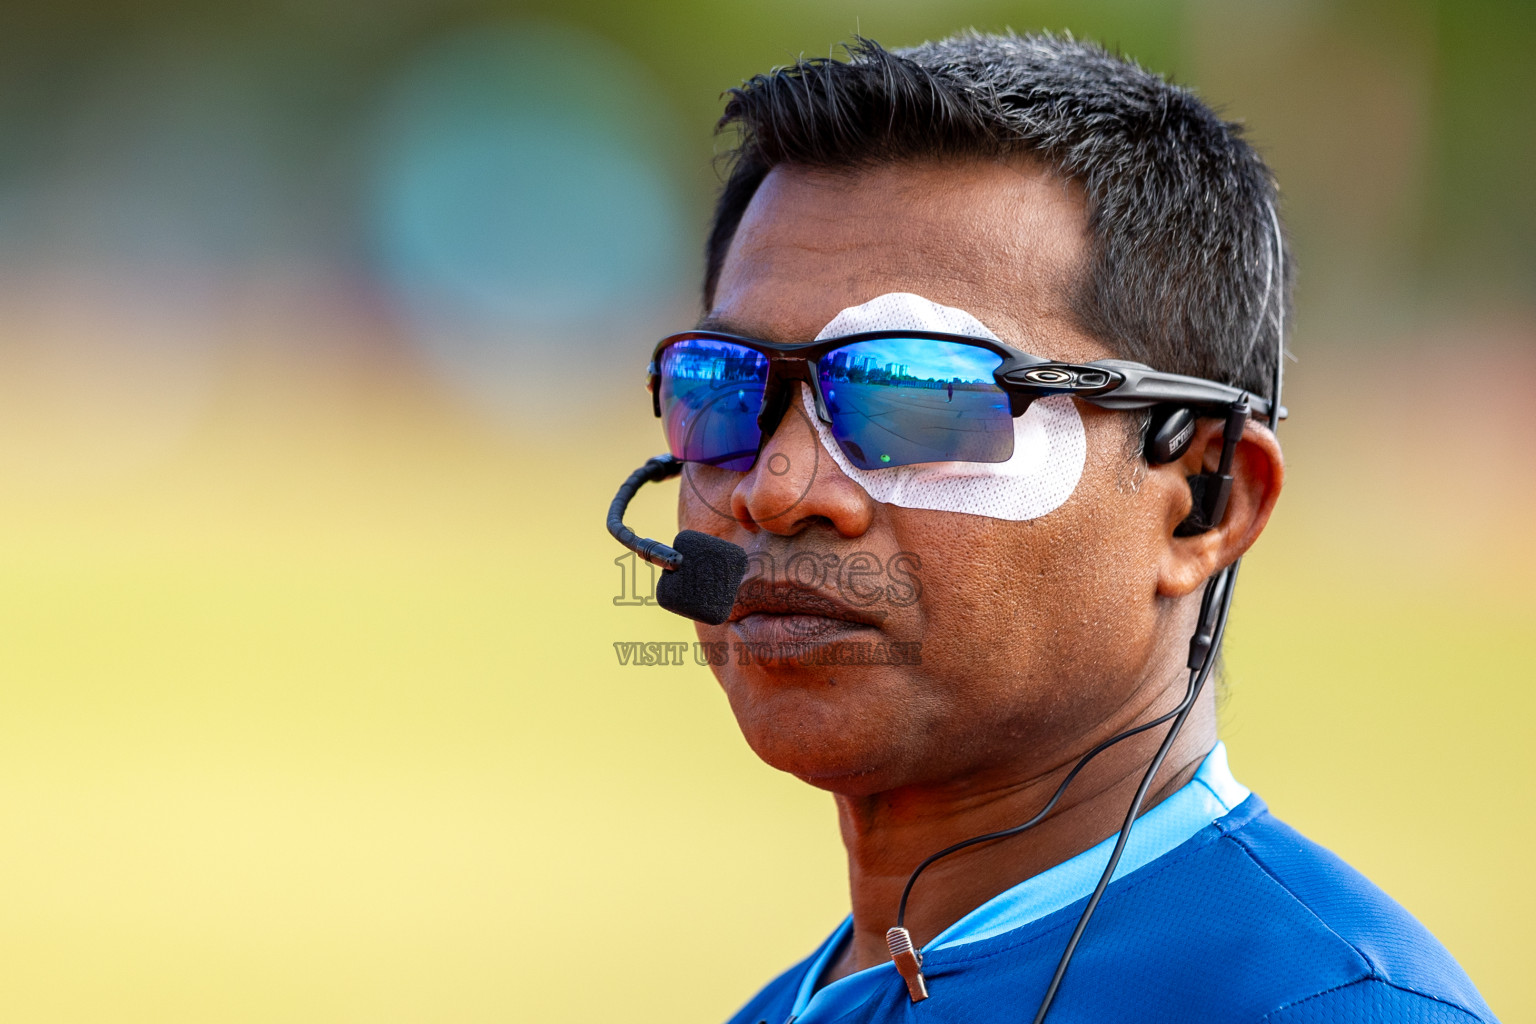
(1108, 383)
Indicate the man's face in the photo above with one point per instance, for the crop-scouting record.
(1031, 634)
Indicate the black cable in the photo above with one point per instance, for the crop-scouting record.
(1215, 606)
(901, 908)
(654, 551)
(1214, 602)
(1207, 640)
(1211, 640)
(1197, 678)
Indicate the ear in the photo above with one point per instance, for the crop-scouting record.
(1258, 472)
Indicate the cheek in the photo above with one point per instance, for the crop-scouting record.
(1025, 613)
(991, 588)
(1096, 573)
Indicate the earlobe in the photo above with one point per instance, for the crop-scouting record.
(1192, 555)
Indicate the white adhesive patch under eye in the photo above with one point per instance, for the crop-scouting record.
(1049, 446)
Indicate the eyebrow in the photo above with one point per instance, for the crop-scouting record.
(723, 325)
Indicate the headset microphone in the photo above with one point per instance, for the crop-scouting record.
(702, 572)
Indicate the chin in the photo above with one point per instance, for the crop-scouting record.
(836, 733)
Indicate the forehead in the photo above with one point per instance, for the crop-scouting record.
(1002, 240)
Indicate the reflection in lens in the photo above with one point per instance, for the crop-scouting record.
(901, 401)
(711, 393)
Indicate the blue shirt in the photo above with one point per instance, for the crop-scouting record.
(1218, 912)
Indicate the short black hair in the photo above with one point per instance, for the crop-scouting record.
(1180, 206)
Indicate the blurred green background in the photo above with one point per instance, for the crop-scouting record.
(321, 330)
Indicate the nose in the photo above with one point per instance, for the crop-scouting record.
(795, 483)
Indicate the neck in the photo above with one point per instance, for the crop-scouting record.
(887, 835)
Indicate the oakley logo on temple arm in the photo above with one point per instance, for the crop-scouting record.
(1064, 377)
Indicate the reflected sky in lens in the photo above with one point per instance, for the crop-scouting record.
(903, 401)
(713, 360)
(912, 358)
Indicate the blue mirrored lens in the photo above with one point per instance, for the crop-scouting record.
(901, 401)
(711, 393)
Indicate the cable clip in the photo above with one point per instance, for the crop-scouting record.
(908, 961)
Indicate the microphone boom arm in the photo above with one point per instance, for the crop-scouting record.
(662, 467)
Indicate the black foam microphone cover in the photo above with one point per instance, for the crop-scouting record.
(704, 587)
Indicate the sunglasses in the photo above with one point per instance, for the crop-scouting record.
(888, 398)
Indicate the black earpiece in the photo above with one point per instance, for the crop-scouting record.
(1210, 491)
(1168, 436)
(1169, 433)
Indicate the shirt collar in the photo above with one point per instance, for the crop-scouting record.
(1211, 794)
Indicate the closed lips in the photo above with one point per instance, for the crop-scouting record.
(789, 614)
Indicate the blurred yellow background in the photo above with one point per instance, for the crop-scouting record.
(321, 329)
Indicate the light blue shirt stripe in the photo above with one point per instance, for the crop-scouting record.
(1211, 794)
